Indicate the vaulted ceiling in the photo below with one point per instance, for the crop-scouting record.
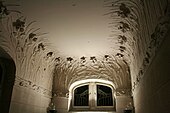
(105, 39)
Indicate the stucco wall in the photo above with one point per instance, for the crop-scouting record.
(143, 27)
(33, 61)
(25, 100)
(152, 93)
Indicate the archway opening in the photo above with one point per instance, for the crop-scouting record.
(92, 95)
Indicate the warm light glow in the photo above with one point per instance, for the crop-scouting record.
(87, 81)
(90, 80)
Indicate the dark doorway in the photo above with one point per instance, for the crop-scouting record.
(7, 77)
(1, 74)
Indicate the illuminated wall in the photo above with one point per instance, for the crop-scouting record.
(111, 40)
(27, 48)
(151, 87)
(152, 92)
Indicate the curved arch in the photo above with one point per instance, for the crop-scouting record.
(90, 80)
(4, 54)
(8, 70)
(92, 85)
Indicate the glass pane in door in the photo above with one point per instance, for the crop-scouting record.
(81, 96)
(104, 96)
